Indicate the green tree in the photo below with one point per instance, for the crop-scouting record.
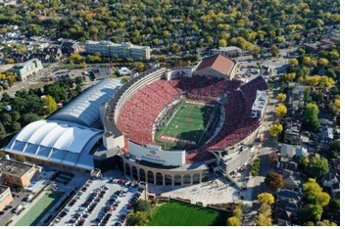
(15, 126)
(138, 218)
(144, 206)
(274, 181)
(266, 198)
(274, 50)
(2, 153)
(276, 129)
(311, 212)
(334, 149)
(310, 117)
(28, 118)
(20, 158)
(316, 167)
(314, 195)
(328, 223)
(233, 221)
(50, 103)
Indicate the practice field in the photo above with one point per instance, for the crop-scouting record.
(176, 213)
(35, 214)
(186, 127)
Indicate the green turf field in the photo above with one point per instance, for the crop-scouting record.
(35, 214)
(176, 213)
(188, 123)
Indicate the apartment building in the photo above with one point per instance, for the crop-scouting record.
(5, 197)
(16, 173)
(123, 50)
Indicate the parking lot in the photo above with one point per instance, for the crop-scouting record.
(101, 202)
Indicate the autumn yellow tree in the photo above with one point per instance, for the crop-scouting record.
(281, 110)
(276, 129)
(323, 62)
(281, 97)
(288, 77)
(335, 106)
(233, 221)
(293, 62)
(266, 198)
(50, 104)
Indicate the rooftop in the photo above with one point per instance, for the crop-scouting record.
(13, 167)
(218, 62)
(3, 188)
(260, 100)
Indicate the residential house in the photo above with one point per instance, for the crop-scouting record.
(292, 179)
(287, 150)
(292, 132)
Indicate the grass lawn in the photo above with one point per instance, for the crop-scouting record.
(35, 214)
(176, 213)
(188, 123)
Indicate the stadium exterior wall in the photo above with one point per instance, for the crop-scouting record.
(163, 176)
(156, 155)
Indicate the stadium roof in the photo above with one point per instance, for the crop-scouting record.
(84, 109)
(218, 62)
(59, 142)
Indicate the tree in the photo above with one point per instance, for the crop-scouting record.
(15, 126)
(323, 62)
(76, 58)
(281, 110)
(316, 167)
(266, 198)
(335, 106)
(307, 61)
(2, 154)
(274, 50)
(293, 62)
(276, 129)
(313, 193)
(138, 218)
(233, 221)
(281, 97)
(237, 211)
(141, 67)
(273, 157)
(50, 103)
(310, 117)
(329, 223)
(222, 43)
(126, 79)
(334, 149)
(262, 220)
(311, 212)
(144, 206)
(28, 118)
(20, 158)
(288, 77)
(9, 61)
(264, 215)
(274, 181)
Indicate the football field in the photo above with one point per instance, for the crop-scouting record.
(186, 127)
(176, 213)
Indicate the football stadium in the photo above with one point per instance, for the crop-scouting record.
(174, 125)
(167, 126)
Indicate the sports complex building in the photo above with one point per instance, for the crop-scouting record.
(165, 126)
